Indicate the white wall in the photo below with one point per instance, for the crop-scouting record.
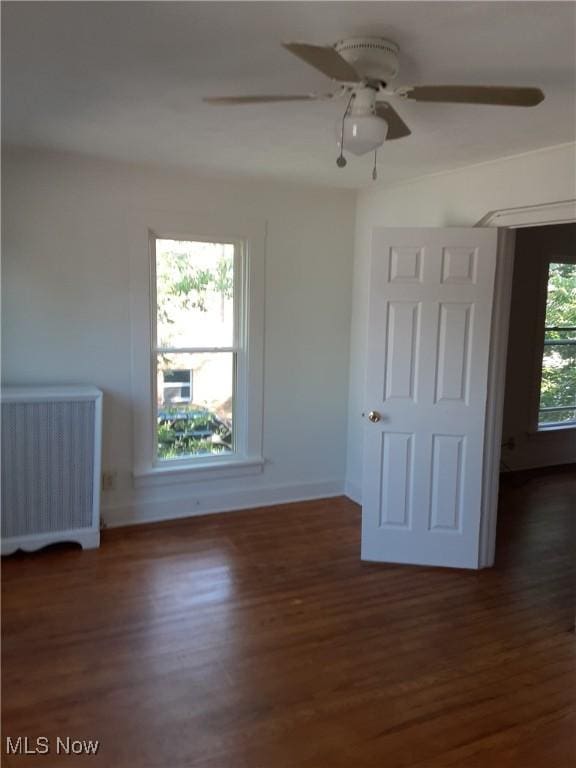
(535, 247)
(458, 198)
(66, 313)
(66, 310)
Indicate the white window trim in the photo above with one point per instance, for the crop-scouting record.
(205, 225)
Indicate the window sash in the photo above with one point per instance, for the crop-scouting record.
(199, 458)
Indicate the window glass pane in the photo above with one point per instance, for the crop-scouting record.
(194, 293)
(561, 296)
(558, 376)
(558, 383)
(194, 418)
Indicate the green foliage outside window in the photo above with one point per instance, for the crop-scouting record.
(182, 286)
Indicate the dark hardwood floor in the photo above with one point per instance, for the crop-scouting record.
(259, 640)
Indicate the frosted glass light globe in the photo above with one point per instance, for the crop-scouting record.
(364, 133)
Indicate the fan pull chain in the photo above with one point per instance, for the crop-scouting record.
(374, 170)
(341, 160)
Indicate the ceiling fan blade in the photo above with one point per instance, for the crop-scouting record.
(263, 99)
(505, 96)
(325, 59)
(397, 128)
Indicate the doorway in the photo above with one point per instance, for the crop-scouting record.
(528, 225)
(538, 460)
(539, 416)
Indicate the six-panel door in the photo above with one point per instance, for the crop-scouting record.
(430, 314)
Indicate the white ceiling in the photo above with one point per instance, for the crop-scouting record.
(125, 80)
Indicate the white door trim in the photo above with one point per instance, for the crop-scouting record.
(495, 398)
(561, 212)
(508, 219)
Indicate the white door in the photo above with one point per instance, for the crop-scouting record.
(430, 313)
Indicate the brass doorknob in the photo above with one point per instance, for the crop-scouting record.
(374, 416)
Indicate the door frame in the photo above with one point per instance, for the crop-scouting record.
(507, 220)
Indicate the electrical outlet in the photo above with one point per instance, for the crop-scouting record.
(109, 478)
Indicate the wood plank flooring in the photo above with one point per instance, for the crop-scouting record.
(259, 640)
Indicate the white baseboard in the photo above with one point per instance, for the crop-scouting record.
(149, 511)
(353, 492)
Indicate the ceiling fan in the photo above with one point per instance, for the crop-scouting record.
(363, 68)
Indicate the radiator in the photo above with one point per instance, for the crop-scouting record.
(51, 444)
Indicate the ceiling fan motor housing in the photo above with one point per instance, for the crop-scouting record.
(374, 58)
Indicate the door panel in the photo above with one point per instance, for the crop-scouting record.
(446, 489)
(401, 353)
(453, 360)
(397, 469)
(428, 347)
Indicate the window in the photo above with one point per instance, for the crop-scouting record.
(197, 319)
(557, 407)
(196, 340)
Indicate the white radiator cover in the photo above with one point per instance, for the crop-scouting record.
(51, 448)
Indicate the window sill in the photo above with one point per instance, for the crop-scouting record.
(209, 470)
(552, 429)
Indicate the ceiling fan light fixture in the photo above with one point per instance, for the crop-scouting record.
(361, 69)
(364, 133)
